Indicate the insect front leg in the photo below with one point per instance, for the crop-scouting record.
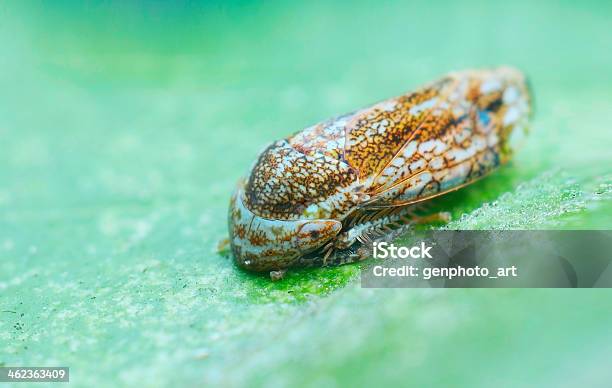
(223, 246)
(362, 230)
(277, 275)
(362, 247)
(444, 217)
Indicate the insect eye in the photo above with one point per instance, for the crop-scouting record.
(494, 105)
(316, 230)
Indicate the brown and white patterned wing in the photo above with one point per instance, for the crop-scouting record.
(460, 136)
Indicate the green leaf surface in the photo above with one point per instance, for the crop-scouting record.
(125, 125)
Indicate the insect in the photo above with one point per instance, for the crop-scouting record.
(319, 196)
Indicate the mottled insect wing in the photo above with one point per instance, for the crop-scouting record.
(454, 132)
(376, 135)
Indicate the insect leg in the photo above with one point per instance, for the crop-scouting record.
(444, 217)
(277, 275)
(363, 248)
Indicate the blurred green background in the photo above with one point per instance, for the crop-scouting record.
(124, 126)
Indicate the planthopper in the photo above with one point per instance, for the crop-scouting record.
(322, 195)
